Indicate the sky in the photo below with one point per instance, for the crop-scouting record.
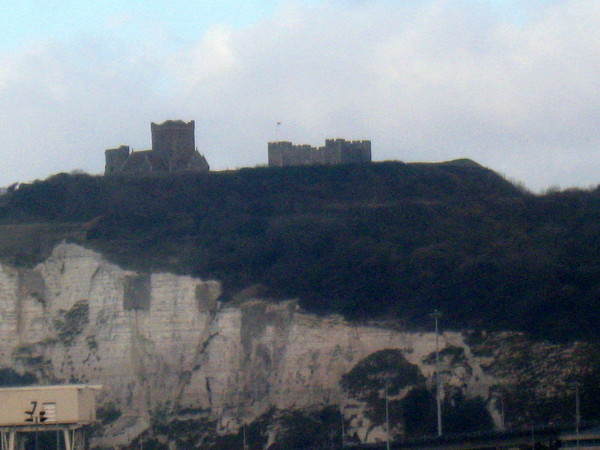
(513, 85)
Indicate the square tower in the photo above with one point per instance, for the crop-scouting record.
(174, 142)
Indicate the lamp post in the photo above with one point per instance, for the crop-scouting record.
(387, 418)
(343, 427)
(577, 412)
(436, 315)
(502, 407)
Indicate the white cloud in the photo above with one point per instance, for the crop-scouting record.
(426, 81)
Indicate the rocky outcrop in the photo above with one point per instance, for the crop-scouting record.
(165, 346)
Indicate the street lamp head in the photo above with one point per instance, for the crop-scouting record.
(436, 314)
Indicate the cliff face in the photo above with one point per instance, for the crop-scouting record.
(164, 346)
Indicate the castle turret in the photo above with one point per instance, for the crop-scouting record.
(277, 153)
(115, 159)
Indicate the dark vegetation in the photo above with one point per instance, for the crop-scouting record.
(384, 368)
(72, 322)
(108, 413)
(321, 429)
(10, 378)
(379, 240)
(389, 370)
(294, 430)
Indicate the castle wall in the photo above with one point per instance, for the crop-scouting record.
(335, 151)
(355, 152)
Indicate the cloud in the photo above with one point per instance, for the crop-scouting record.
(425, 81)
(61, 104)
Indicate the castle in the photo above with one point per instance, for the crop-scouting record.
(335, 151)
(173, 150)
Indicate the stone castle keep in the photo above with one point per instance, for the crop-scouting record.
(335, 151)
(173, 150)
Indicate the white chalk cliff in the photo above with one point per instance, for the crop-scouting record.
(162, 343)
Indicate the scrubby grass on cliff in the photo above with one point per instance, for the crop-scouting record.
(374, 240)
(26, 244)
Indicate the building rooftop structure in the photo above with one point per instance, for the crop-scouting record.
(67, 409)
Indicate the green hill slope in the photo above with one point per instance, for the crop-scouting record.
(384, 240)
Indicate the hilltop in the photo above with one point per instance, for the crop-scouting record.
(386, 241)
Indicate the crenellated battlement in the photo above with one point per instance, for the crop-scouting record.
(335, 151)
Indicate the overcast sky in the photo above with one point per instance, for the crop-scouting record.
(513, 85)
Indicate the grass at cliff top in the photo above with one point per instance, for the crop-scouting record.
(377, 240)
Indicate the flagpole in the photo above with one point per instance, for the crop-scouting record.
(277, 131)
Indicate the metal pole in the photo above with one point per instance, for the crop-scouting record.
(37, 444)
(577, 413)
(530, 418)
(436, 315)
(532, 436)
(12, 437)
(387, 419)
(343, 427)
(502, 408)
(67, 438)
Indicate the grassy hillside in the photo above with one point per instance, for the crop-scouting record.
(383, 240)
